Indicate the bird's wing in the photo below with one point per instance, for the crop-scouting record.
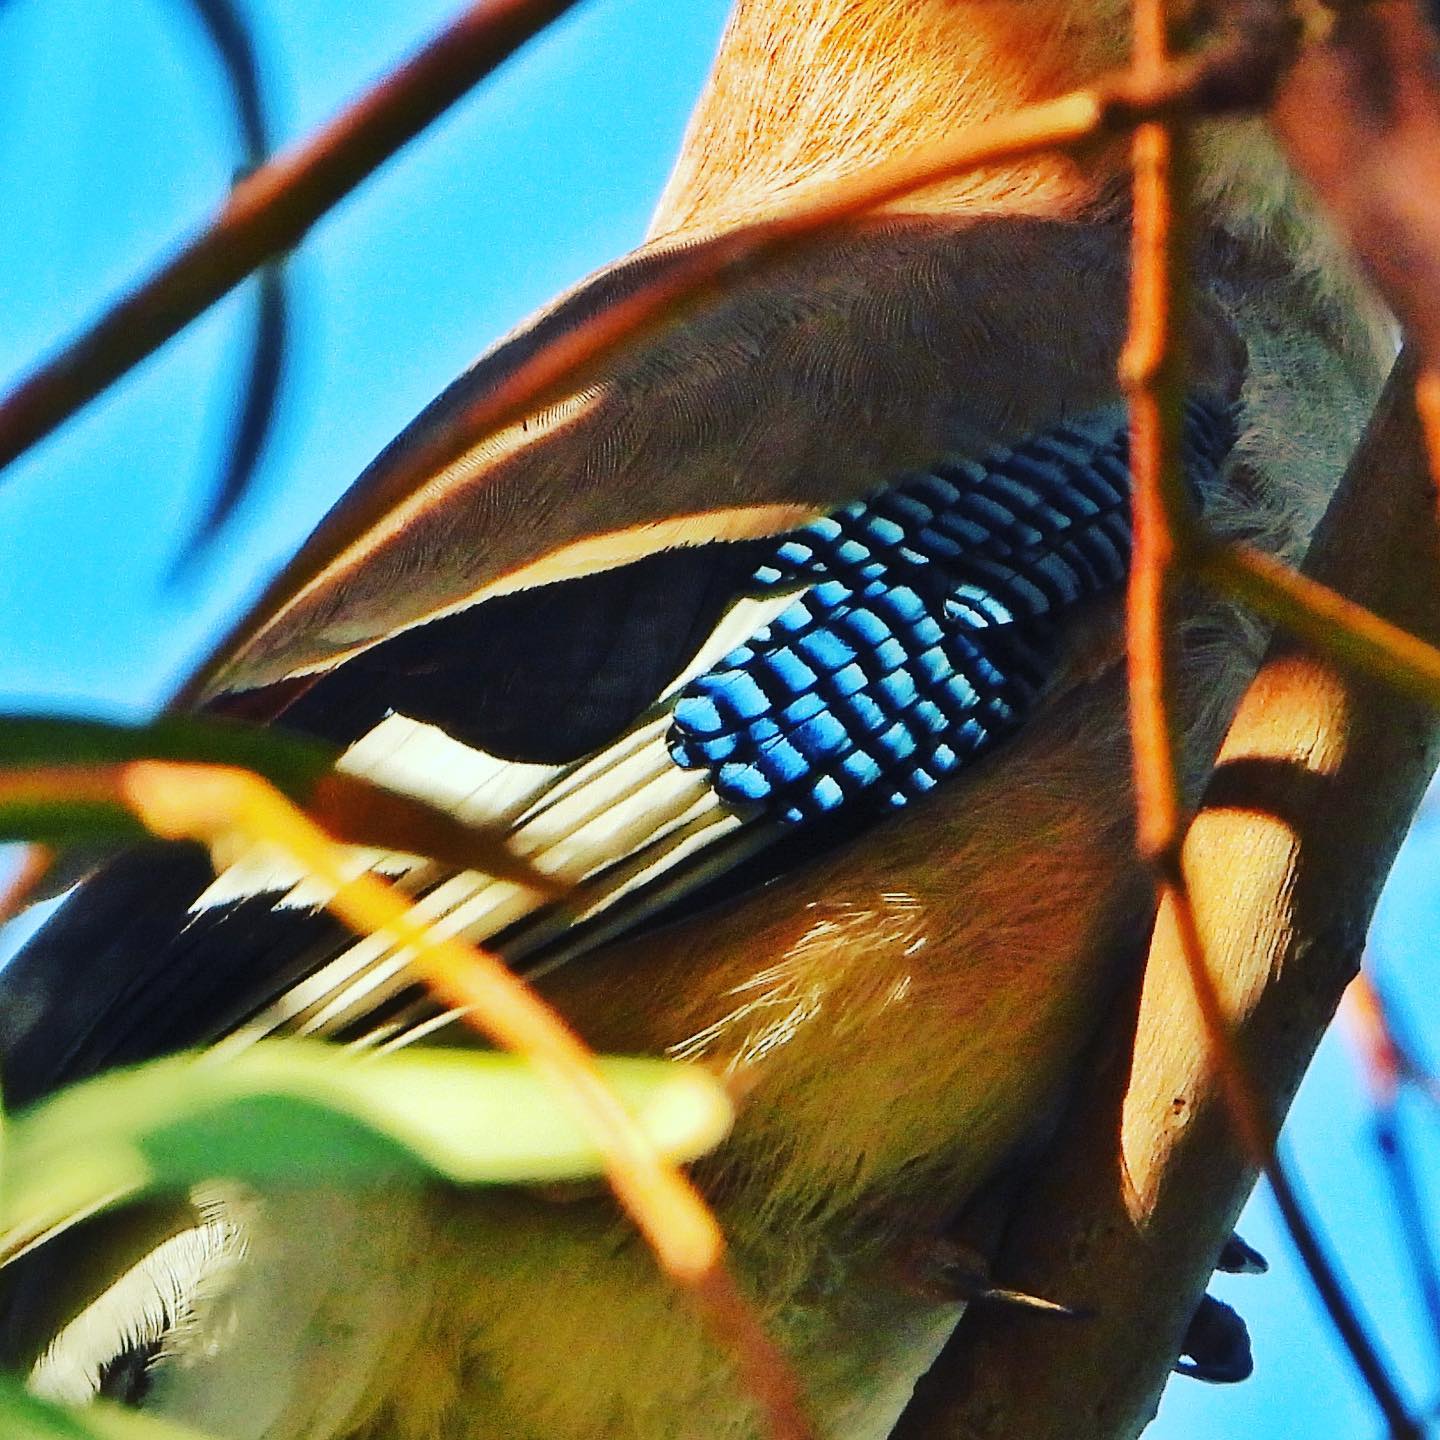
(798, 388)
(699, 718)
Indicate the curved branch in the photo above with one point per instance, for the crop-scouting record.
(234, 47)
(269, 213)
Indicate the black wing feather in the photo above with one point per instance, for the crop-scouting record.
(544, 675)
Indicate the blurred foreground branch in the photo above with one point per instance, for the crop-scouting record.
(228, 31)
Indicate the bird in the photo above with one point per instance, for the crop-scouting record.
(792, 643)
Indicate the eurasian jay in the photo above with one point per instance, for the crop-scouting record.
(794, 644)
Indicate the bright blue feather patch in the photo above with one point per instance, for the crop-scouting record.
(928, 627)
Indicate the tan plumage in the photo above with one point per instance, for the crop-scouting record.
(903, 1015)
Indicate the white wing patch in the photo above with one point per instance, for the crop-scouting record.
(613, 826)
(408, 756)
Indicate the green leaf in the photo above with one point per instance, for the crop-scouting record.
(24, 1416)
(291, 763)
(350, 808)
(64, 824)
(292, 1111)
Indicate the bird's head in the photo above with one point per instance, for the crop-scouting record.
(240, 1314)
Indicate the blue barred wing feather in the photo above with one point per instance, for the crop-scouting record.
(650, 734)
(928, 626)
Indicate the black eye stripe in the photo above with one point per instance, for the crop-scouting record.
(127, 1377)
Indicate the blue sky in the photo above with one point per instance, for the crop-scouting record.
(115, 142)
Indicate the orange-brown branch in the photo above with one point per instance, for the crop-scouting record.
(269, 213)
(1313, 790)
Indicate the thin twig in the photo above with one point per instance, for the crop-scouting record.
(269, 212)
(1410, 1219)
(1324, 1276)
(1345, 631)
(1153, 372)
(35, 864)
(1392, 1059)
(229, 35)
(1387, 1065)
(1382, 1062)
(255, 416)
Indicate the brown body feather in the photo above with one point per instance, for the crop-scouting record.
(904, 1015)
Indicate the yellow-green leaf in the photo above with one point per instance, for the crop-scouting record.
(288, 1111)
(24, 1416)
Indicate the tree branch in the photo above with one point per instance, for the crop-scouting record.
(269, 212)
(1311, 796)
